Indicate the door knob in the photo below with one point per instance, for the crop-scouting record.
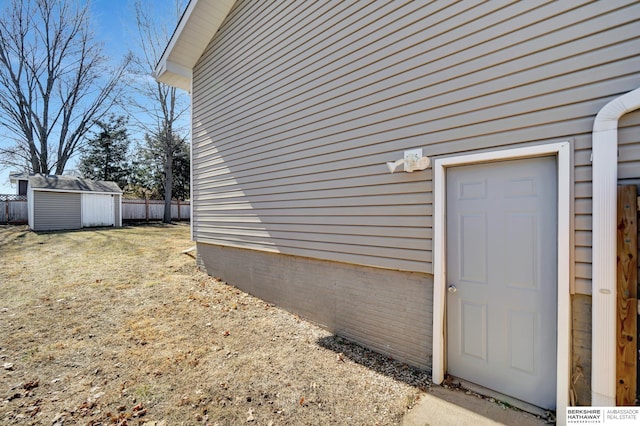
(452, 289)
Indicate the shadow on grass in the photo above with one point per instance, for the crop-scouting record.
(379, 363)
(103, 229)
(11, 233)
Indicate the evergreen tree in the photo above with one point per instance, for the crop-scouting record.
(106, 155)
(182, 173)
(164, 105)
(149, 170)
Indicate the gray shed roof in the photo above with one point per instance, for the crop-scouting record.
(70, 183)
(16, 176)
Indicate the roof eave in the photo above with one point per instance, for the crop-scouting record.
(78, 191)
(172, 74)
(197, 26)
(17, 177)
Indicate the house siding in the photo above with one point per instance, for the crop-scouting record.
(54, 211)
(297, 106)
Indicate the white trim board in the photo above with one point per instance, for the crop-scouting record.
(75, 191)
(562, 151)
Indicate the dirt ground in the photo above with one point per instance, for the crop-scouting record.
(117, 326)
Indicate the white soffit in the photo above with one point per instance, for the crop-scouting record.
(197, 26)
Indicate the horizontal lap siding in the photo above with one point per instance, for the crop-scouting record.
(628, 174)
(582, 213)
(298, 105)
(54, 211)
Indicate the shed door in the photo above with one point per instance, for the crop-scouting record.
(97, 210)
(501, 276)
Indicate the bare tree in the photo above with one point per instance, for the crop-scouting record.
(163, 105)
(54, 83)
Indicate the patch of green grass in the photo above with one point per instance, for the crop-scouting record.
(143, 393)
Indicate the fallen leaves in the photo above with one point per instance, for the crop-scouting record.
(154, 337)
(31, 385)
(34, 409)
(120, 418)
(138, 411)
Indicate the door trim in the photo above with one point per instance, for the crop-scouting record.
(563, 157)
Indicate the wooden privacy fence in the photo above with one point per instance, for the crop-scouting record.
(149, 210)
(627, 297)
(13, 209)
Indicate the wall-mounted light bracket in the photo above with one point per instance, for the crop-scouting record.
(412, 160)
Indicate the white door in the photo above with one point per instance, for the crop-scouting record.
(98, 210)
(501, 277)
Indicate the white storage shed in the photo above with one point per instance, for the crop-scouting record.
(66, 202)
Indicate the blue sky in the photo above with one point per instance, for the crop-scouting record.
(113, 20)
(114, 26)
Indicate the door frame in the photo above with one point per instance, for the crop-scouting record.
(562, 152)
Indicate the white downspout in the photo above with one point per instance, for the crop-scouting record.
(604, 246)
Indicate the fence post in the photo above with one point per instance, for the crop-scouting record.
(7, 209)
(146, 208)
(178, 200)
(627, 297)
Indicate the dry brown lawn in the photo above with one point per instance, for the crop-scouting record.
(117, 326)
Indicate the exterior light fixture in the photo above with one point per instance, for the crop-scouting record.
(413, 160)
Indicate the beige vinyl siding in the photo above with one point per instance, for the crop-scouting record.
(628, 174)
(297, 105)
(582, 213)
(629, 149)
(54, 211)
(629, 152)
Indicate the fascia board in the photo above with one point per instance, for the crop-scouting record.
(189, 40)
(75, 191)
